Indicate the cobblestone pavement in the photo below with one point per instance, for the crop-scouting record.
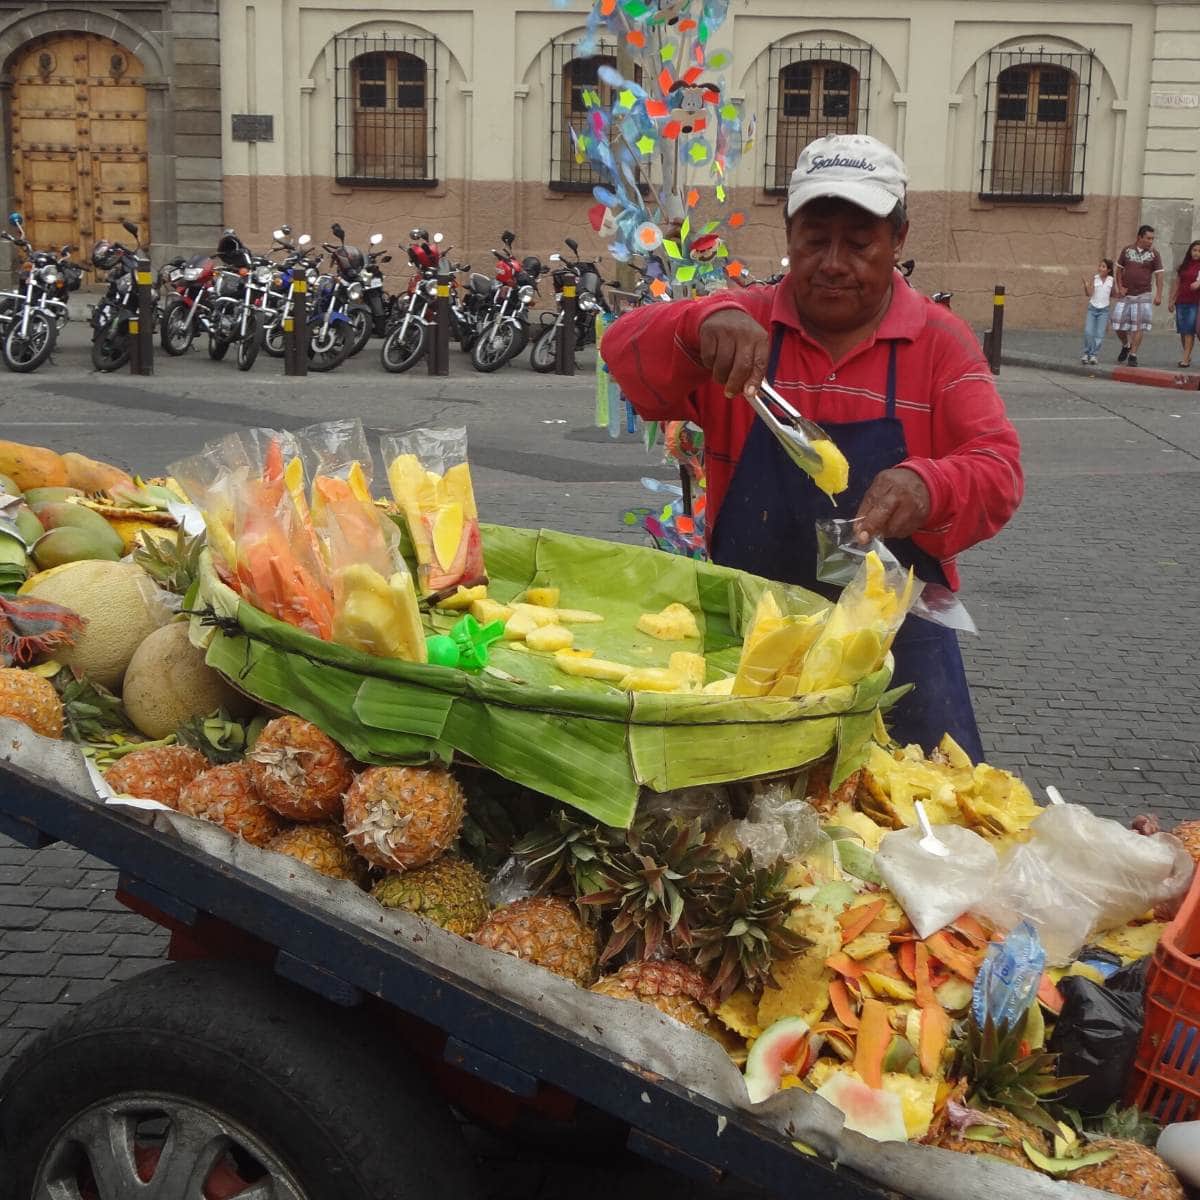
(1084, 671)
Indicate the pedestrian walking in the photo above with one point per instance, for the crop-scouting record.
(1099, 293)
(1139, 268)
(1185, 300)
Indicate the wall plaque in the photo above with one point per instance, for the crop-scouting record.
(253, 127)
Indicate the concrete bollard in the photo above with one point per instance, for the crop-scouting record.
(564, 348)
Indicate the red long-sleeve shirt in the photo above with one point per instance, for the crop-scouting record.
(960, 441)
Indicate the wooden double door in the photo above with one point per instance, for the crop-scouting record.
(78, 141)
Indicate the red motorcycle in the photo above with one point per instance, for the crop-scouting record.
(505, 329)
(189, 310)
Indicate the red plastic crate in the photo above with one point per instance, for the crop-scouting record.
(1165, 1082)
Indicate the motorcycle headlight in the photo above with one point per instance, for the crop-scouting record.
(354, 291)
(48, 275)
(277, 280)
(313, 276)
(191, 274)
(124, 283)
(262, 274)
(526, 295)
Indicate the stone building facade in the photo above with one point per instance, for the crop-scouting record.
(113, 112)
(1038, 134)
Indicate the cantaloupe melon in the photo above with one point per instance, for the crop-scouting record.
(168, 683)
(121, 606)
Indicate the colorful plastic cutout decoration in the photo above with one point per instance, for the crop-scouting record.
(658, 288)
(635, 37)
(737, 220)
(648, 237)
(667, 53)
(646, 144)
(693, 198)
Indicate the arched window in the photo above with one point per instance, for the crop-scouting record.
(816, 90)
(385, 110)
(572, 80)
(1036, 124)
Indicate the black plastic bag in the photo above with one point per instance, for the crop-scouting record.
(1097, 1036)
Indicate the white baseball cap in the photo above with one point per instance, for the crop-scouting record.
(849, 166)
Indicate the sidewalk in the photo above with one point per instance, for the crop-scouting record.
(1056, 350)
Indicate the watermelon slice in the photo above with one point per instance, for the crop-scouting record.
(776, 1052)
(875, 1114)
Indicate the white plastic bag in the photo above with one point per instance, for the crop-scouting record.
(932, 890)
(1080, 874)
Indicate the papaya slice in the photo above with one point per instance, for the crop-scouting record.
(871, 1046)
(854, 921)
(843, 1006)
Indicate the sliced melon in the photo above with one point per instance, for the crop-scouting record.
(775, 1053)
(875, 1114)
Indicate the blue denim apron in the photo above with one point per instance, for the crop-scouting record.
(767, 526)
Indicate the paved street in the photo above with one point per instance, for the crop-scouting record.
(1083, 672)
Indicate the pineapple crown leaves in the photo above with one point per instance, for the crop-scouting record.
(566, 856)
(1128, 1124)
(740, 929)
(1003, 1074)
(91, 712)
(173, 563)
(653, 883)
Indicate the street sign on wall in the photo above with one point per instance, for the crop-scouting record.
(1174, 100)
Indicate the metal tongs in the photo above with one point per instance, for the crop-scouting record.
(792, 431)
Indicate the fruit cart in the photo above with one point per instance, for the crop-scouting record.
(294, 1034)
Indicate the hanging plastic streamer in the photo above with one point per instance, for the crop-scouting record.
(676, 134)
(678, 525)
(607, 392)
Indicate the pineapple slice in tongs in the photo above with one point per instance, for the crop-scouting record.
(804, 441)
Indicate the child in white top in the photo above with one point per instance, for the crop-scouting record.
(1099, 293)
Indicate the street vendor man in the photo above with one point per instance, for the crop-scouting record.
(898, 382)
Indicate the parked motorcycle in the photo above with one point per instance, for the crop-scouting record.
(353, 273)
(280, 301)
(407, 339)
(330, 334)
(187, 285)
(505, 331)
(112, 341)
(589, 301)
(33, 313)
(238, 289)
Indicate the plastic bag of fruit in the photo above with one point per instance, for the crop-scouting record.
(431, 482)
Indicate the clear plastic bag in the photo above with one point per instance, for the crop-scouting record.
(859, 633)
(431, 482)
(708, 804)
(1008, 978)
(338, 449)
(1027, 888)
(935, 890)
(778, 825)
(839, 557)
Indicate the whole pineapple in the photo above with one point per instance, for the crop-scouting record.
(546, 931)
(158, 774)
(299, 771)
(449, 891)
(1134, 1171)
(672, 987)
(1004, 1125)
(323, 848)
(29, 698)
(403, 817)
(226, 795)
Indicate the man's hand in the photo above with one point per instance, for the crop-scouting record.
(896, 505)
(1158, 300)
(735, 348)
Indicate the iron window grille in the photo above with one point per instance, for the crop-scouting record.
(386, 106)
(571, 78)
(813, 90)
(1035, 125)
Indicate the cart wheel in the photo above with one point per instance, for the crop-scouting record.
(222, 1079)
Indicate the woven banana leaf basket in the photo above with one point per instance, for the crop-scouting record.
(584, 742)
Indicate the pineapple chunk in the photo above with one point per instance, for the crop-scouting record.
(456, 485)
(834, 473)
(543, 597)
(578, 616)
(575, 663)
(463, 598)
(550, 638)
(539, 616)
(691, 666)
(719, 687)
(359, 487)
(519, 626)
(674, 624)
(654, 679)
(486, 611)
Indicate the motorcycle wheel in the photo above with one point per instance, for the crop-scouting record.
(249, 346)
(400, 354)
(329, 350)
(362, 324)
(493, 349)
(521, 340)
(273, 337)
(176, 335)
(217, 347)
(544, 355)
(111, 349)
(25, 354)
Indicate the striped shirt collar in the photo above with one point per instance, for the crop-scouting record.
(903, 321)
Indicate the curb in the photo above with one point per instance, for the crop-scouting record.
(1179, 381)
